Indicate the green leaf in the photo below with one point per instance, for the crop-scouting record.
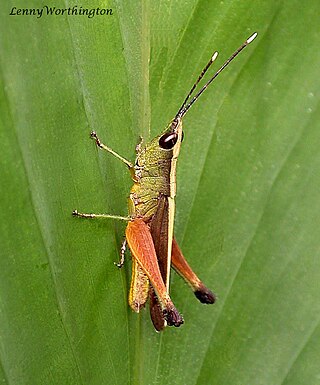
(248, 192)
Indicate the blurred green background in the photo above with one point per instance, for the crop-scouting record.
(248, 192)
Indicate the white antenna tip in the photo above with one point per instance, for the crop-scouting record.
(214, 56)
(251, 38)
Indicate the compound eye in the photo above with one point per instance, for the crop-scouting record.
(168, 140)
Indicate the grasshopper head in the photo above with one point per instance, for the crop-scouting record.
(172, 137)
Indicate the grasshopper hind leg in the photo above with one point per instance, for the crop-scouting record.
(182, 267)
(142, 249)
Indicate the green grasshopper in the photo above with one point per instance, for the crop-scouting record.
(149, 232)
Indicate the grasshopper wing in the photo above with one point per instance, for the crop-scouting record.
(159, 228)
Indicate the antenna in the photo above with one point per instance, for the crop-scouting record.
(184, 108)
(213, 58)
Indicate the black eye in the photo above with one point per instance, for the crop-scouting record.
(168, 140)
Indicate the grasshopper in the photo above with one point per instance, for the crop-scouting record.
(151, 206)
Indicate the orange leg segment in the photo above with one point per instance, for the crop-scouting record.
(182, 267)
(142, 248)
